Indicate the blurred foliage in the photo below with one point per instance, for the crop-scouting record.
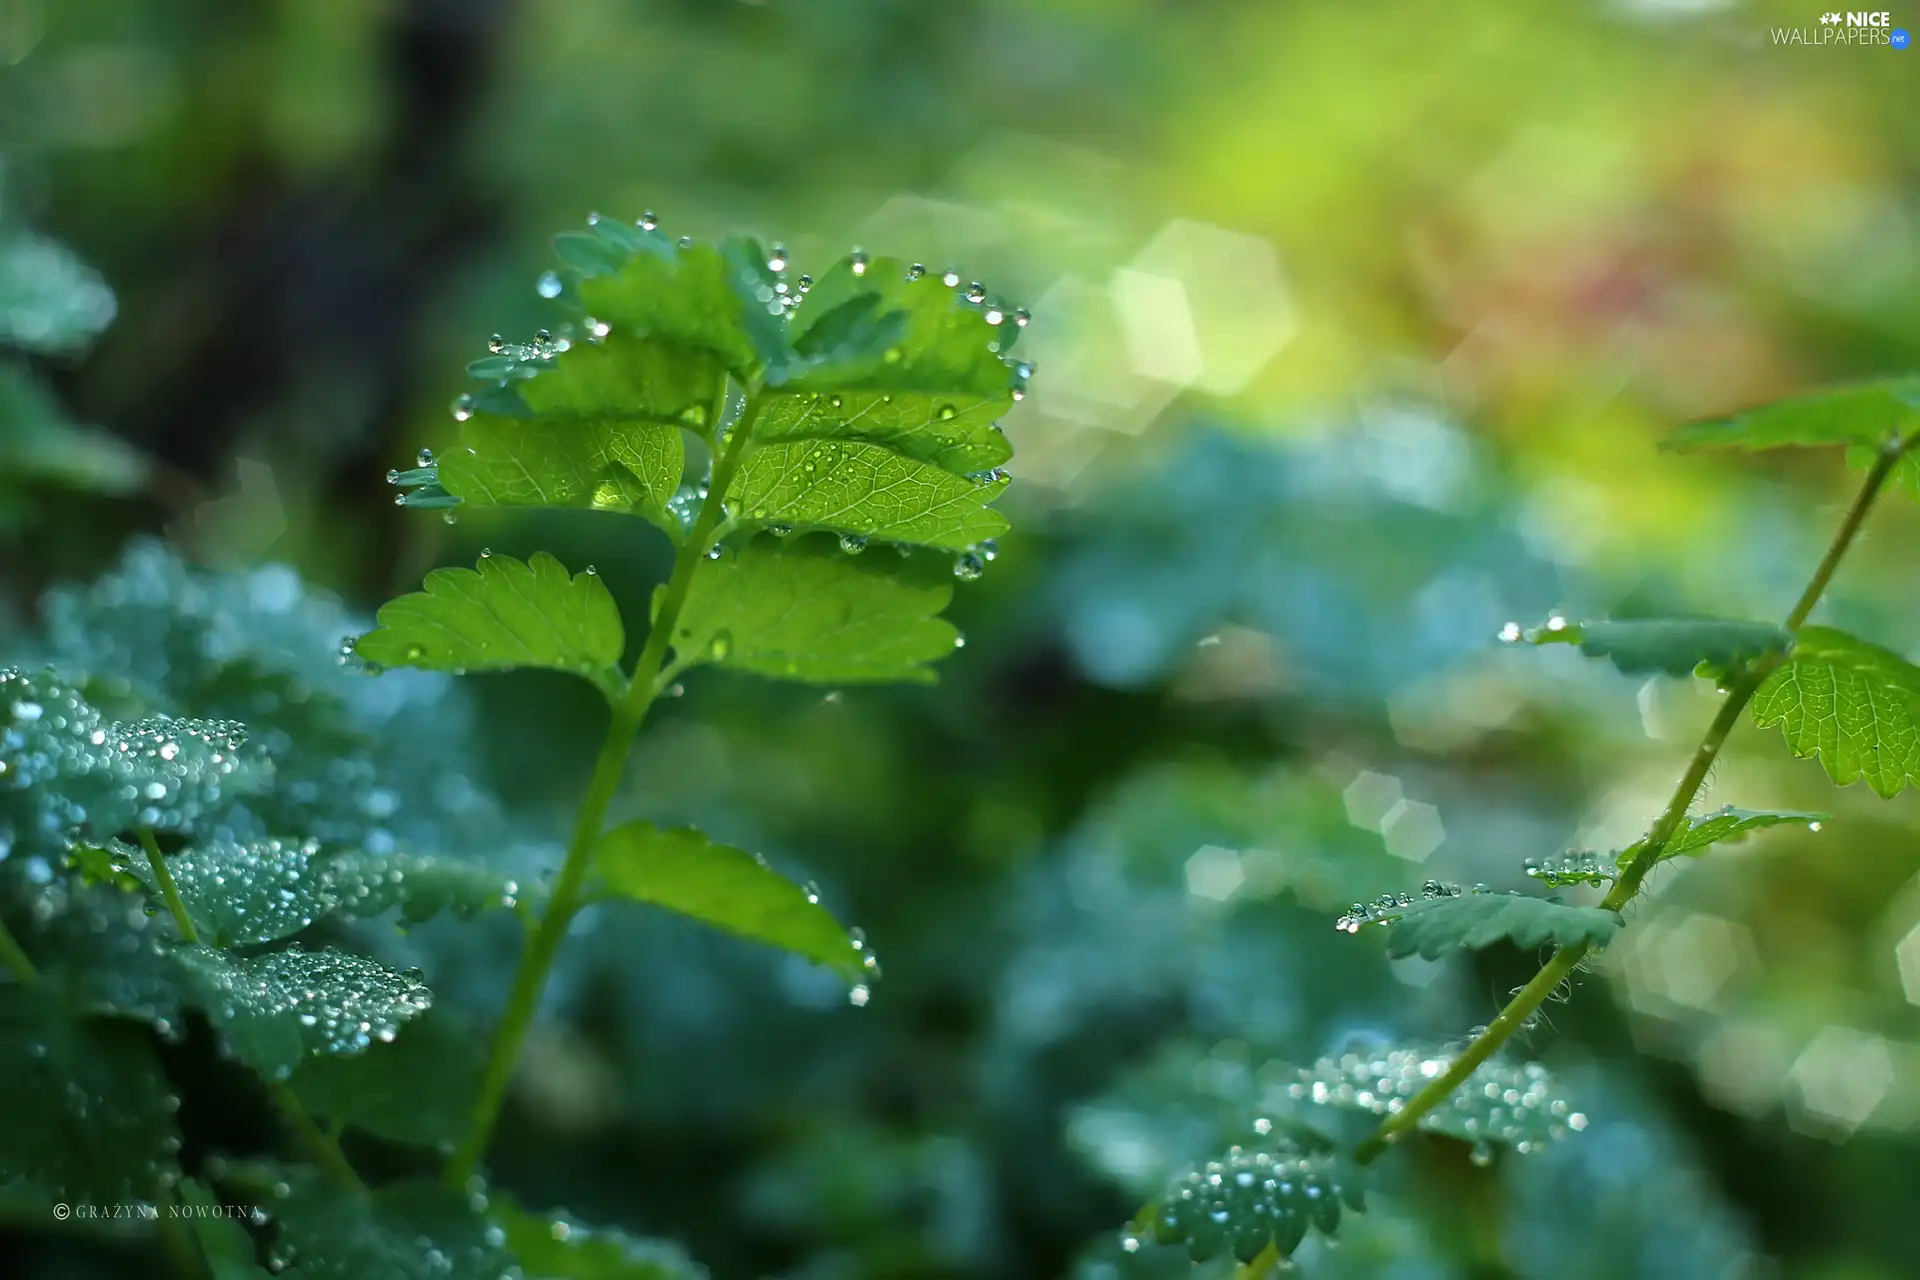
(1236, 671)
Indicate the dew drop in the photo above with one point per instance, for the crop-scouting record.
(649, 221)
(857, 262)
(854, 543)
(968, 566)
(976, 293)
(1022, 317)
(424, 458)
(496, 344)
(778, 262)
(462, 409)
(548, 286)
(915, 271)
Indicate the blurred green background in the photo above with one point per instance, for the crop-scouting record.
(1358, 326)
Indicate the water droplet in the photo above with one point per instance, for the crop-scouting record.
(548, 286)
(486, 553)
(450, 516)
(945, 412)
(424, 458)
(859, 996)
(778, 262)
(805, 283)
(780, 530)
(811, 891)
(915, 271)
(857, 262)
(496, 344)
(462, 409)
(968, 566)
(1022, 317)
(393, 476)
(994, 315)
(950, 278)
(649, 221)
(1481, 1155)
(976, 293)
(1510, 632)
(854, 543)
(720, 646)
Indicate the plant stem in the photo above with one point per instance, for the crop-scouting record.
(323, 1149)
(167, 888)
(523, 1000)
(186, 1256)
(1564, 960)
(16, 959)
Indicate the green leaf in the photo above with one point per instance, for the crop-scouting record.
(1445, 919)
(241, 894)
(944, 343)
(273, 1010)
(715, 300)
(682, 870)
(418, 1089)
(402, 1231)
(1676, 646)
(1255, 1199)
(1731, 824)
(550, 1248)
(161, 773)
(39, 445)
(364, 884)
(503, 615)
(956, 432)
(851, 487)
(228, 1248)
(1518, 1104)
(1866, 413)
(620, 379)
(1853, 704)
(89, 1119)
(632, 467)
(803, 609)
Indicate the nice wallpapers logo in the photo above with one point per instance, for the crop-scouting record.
(1847, 30)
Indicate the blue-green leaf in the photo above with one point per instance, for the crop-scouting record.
(1447, 919)
(229, 1250)
(241, 894)
(402, 1231)
(719, 300)
(159, 773)
(631, 467)
(50, 301)
(271, 1011)
(556, 1248)
(806, 610)
(89, 1120)
(1518, 1104)
(1580, 867)
(503, 615)
(363, 884)
(1853, 704)
(684, 871)
(1252, 1200)
(418, 1088)
(1675, 646)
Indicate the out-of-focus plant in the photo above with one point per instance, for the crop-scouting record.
(1853, 704)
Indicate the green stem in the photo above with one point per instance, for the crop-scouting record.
(187, 1258)
(16, 959)
(168, 890)
(568, 896)
(1561, 965)
(324, 1150)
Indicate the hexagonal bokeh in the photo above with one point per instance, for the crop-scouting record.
(1204, 307)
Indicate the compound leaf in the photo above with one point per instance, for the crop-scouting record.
(1519, 1104)
(1869, 413)
(500, 616)
(418, 1088)
(720, 300)
(1853, 704)
(402, 1231)
(1446, 920)
(1251, 1201)
(273, 1010)
(1675, 646)
(550, 1248)
(848, 486)
(1730, 823)
(943, 338)
(682, 870)
(89, 1120)
(806, 610)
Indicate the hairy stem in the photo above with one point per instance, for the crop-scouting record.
(16, 959)
(1563, 962)
(326, 1153)
(569, 888)
(167, 888)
